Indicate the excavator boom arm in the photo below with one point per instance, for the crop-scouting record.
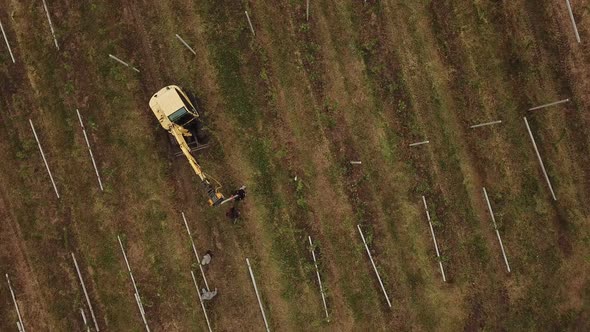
(215, 197)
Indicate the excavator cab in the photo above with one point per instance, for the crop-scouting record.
(182, 117)
(175, 108)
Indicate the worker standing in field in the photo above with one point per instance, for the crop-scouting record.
(207, 258)
(233, 213)
(208, 295)
(240, 194)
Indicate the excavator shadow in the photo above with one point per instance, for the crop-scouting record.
(200, 137)
(194, 143)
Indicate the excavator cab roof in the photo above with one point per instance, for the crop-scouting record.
(172, 105)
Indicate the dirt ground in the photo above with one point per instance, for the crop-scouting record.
(288, 108)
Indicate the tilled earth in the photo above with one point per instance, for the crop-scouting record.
(288, 108)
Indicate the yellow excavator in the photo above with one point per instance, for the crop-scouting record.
(178, 114)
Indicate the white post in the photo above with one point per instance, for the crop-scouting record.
(201, 301)
(569, 8)
(250, 23)
(419, 143)
(20, 319)
(136, 294)
(356, 162)
(496, 228)
(195, 251)
(50, 25)
(257, 295)
(374, 267)
(317, 272)
(85, 292)
(540, 160)
(123, 62)
(486, 124)
(90, 150)
(185, 44)
(7, 44)
(139, 304)
(442, 271)
(307, 11)
(84, 320)
(44, 160)
(83, 317)
(550, 104)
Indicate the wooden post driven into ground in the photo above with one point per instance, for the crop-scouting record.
(317, 272)
(257, 294)
(540, 160)
(19, 324)
(50, 24)
(85, 292)
(442, 271)
(201, 301)
(136, 294)
(374, 267)
(496, 228)
(195, 251)
(44, 160)
(7, 44)
(90, 150)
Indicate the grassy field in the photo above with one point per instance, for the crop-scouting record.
(288, 108)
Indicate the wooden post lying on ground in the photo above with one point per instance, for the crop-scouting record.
(250, 23)
(85, 292)
(419, 143)
(20, 319)
(195, 251)
(185, 44)
(50, 24)
(136, 294)
(90, 150)
(539, 158)
(374, 267)
(44, 160)
(317, 272)
(123, 62)
(84, 320)
(550, 104)
(442, 271)
(307, 11)
(496, 228)
(7, 44)
(569, 8)
(201, 301)
(356, 162)
(486, 124)
(257, 295)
